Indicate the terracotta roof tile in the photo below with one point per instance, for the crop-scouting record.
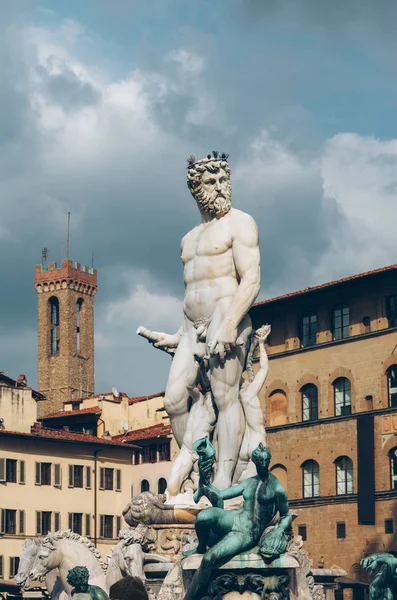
(69, 413)
(147, 433)
(142, 398)
(63, 436)
(326, 285)
(99, 397)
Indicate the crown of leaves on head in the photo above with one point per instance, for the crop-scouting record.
(214, 156)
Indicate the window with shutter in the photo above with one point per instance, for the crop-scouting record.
(57, 475)
(102, 526)
(70, 520)
(88, 525)
(2, 470)
(3, 520)
(118, 480)
(118, 526)
(38, 522)
(45, 473)
(1, 567)
(101, 478)
(71, 476)
(21, 522)
(38, 474)
(57, 521)
(88, 478)
(14, 566)
(22, 471)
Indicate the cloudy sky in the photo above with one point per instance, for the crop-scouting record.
(101, 101)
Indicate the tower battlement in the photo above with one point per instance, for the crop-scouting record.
(70, 275)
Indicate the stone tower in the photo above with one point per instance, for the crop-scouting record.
(65, 332)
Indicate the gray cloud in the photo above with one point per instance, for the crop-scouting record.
(112, 150)
(67, 90)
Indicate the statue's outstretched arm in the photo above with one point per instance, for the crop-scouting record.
(163, 341)
(233, 492)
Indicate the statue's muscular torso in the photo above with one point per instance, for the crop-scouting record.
(210, 274)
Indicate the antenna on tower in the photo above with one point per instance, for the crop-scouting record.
(67, 239)
(44, 255)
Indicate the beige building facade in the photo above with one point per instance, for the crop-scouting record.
(63, 477)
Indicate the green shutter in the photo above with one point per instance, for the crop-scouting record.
(101, 478)
(102, 526)
(118, 480)
(70, 521)
(88, 478)
(38, 474)
(38, 522)
(21, 522)
(57, 521)
(88, 525)
(118, 526)
(71, 478)
(21, 471)
(57, 476)
(1, 567)
(2, 470)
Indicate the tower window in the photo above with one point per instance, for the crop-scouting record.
(309, 402)
(341, 531)
(341, 322)
(392, 385)
(389, 526)
(311, 479)
(342, 396)
(161, 485)
(309, 330)
(79, 304)
(54, 322)
(145, 486)
(344, 475)
(391, 310)
(302, 531)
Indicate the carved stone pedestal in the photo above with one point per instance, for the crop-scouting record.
(247, 577)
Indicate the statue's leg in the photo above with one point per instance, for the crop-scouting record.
(176, 393)
(233, 543)
(225, 384)
(181, 468)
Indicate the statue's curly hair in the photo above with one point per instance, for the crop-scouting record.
(78, 577)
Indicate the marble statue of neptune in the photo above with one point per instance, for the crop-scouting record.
(221, 263)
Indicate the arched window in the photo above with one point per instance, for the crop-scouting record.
(311, 479)
(54, 325)
(161, 485)
(79, 304)
(344, 475)
(392, 385)
(342, 396)
(145, 485)
(393, 468)
(281, 473)
(309, 402)
(277, 408)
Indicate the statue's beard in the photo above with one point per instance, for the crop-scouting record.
(214, 203)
